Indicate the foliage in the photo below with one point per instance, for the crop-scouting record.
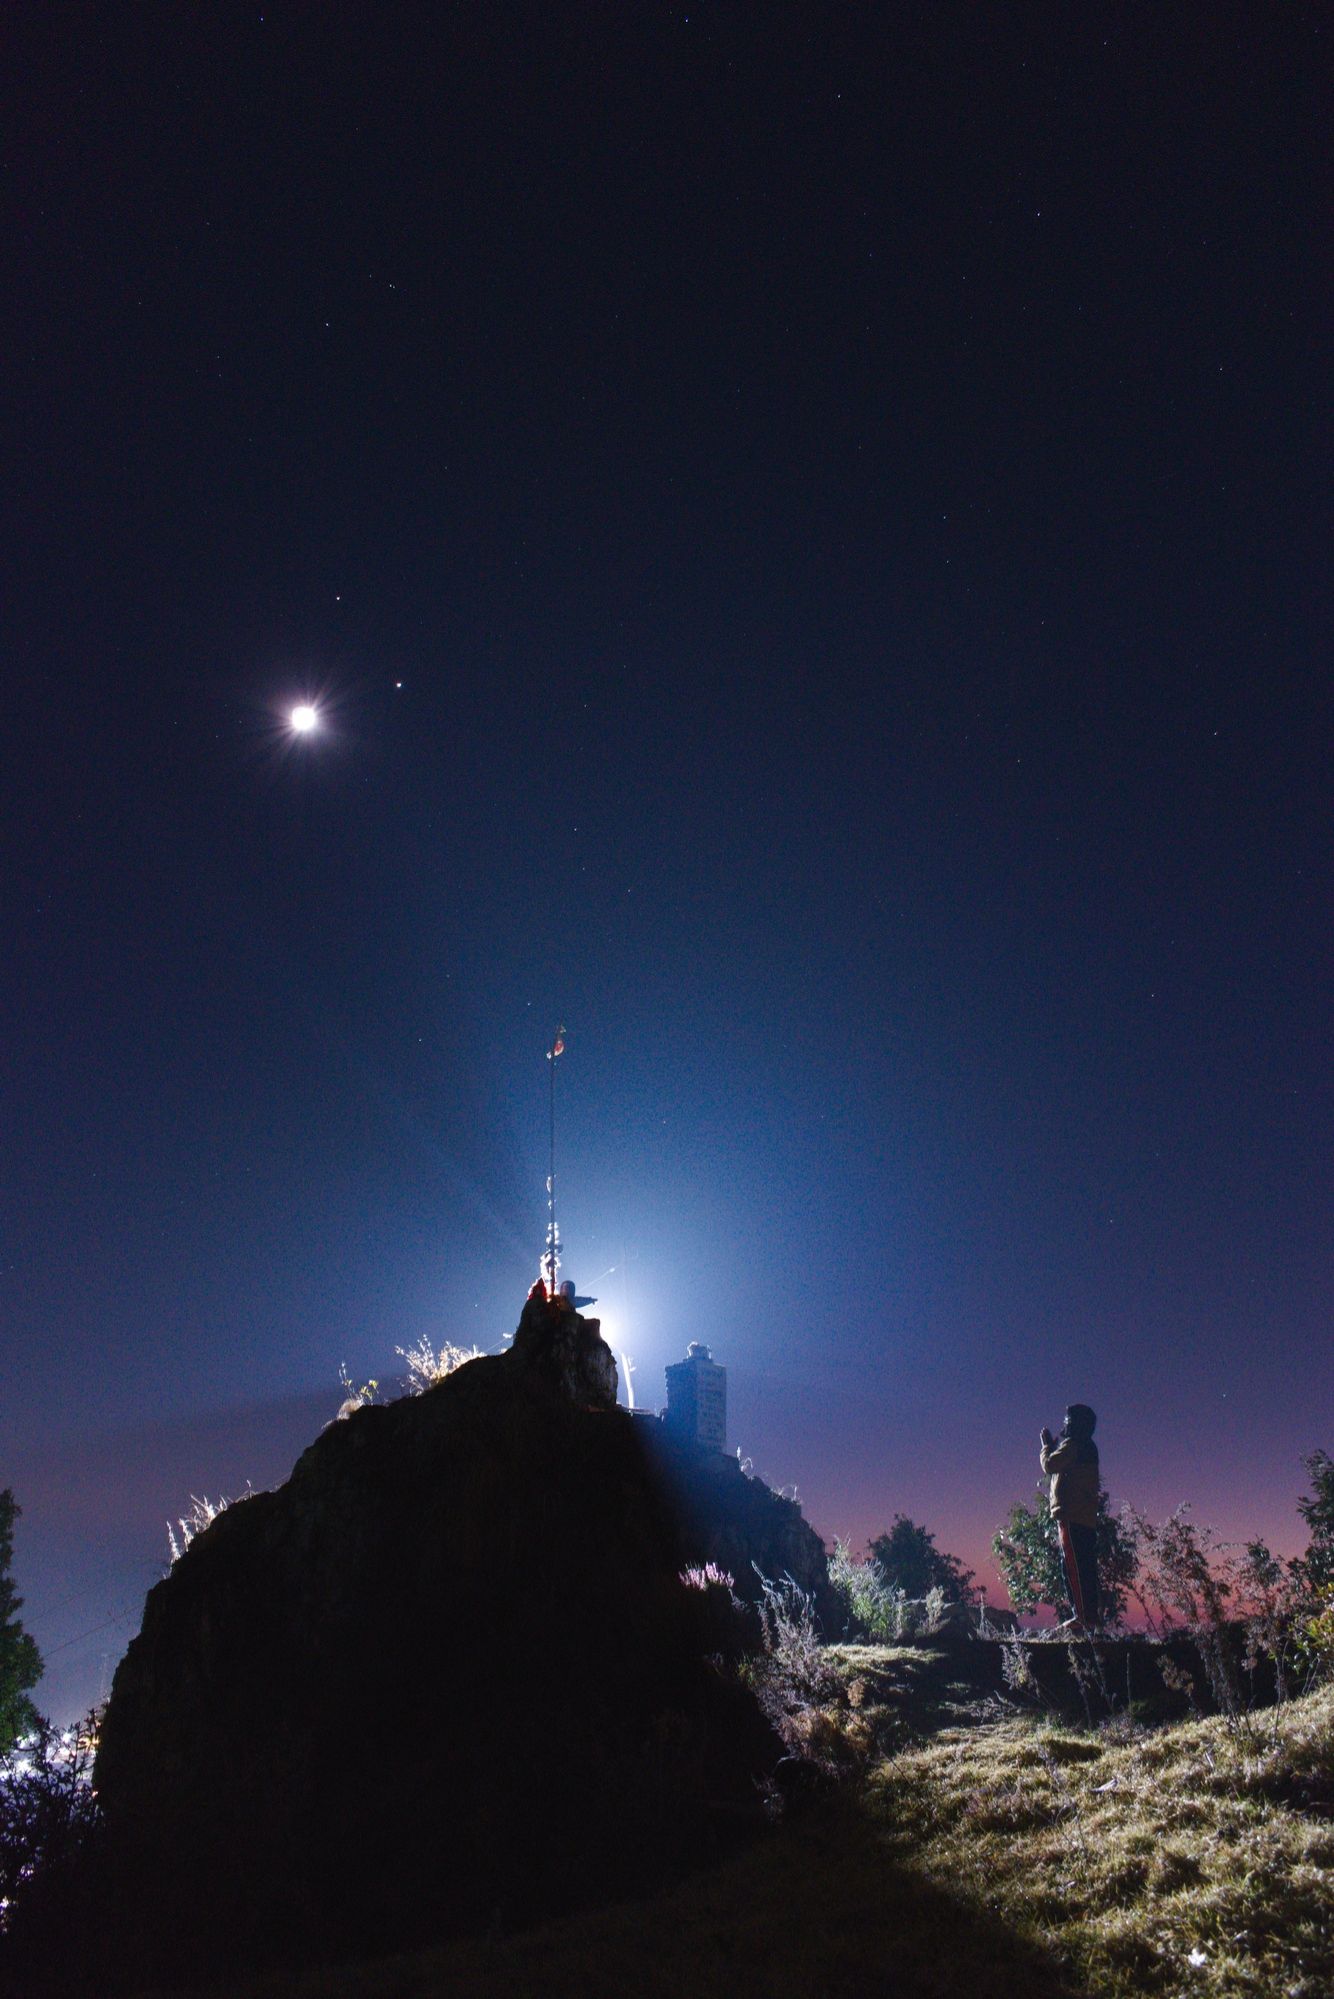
(47, 1807)
(798, 1689)
(354, 1398)
(1316, 1634)
(427, 1365)
(1241, 1607)
(869, 1604)
(1189, 1578)
(1316, 1566)
(202, 1514)
(1269, 1594)
(1028, 1555)
(1186, 1576)
(708, 1577)
(20, 1661)
(875, 1609)
(909, 1560)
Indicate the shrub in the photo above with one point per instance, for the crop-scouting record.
(428, 1366)
(875, 1609)
(20, 1661)
(869, 1604)
(1270, 1595)
(1187, 1578)
(813, 1710)
(910, 1561)
(1316, 1635)
(1027, 1551)
(1316, 1567)
(202, 1514)
(47, 1807)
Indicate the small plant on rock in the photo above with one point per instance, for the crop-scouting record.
(429, 1365)
(354, 1398)
(708, 1577)
(202, 1514)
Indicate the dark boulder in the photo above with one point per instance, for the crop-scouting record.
(446, 1677)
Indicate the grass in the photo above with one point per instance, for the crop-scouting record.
(984, 1853)
(1186, 1860)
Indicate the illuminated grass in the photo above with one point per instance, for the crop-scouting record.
(1187, 1861)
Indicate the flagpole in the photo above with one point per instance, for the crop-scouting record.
(552, 1259)
(551, 1179)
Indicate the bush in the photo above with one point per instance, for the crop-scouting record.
(815, 1713)
(1229, 1604)
(1316, 1567)
(869, 1604)
(910, 1562)
(1270, 1595)
(1028, 1555)
(20, 1661)
(875, 1609)
(47, 1808)
(1316, 1635)
(428, 1366)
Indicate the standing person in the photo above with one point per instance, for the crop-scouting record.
(1071, 1463)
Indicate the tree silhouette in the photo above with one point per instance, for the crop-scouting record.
(909, 1560)
(20, 1661)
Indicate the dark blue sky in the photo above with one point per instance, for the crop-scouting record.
(844, 495)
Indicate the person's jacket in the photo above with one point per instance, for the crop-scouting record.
(1074, 1483)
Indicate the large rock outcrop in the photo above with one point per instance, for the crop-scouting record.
(446, 1676)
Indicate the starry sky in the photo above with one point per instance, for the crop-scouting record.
(807, 527)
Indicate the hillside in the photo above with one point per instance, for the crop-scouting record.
(996, 1856)
(450, 1676)
(455, 1711)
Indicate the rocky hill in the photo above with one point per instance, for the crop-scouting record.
(446, 1678)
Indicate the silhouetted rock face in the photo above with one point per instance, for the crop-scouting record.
(446, 1676)
(740, 1524)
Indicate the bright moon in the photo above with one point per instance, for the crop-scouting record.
(304, 719)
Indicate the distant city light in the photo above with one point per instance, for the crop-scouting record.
(304, 719)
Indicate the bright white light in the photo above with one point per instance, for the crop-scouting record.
(304, 719)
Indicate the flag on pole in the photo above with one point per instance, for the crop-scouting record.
(558, 1045)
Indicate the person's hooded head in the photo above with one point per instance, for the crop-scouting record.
(1080, 1423)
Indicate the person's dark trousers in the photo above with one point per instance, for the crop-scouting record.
(1079, 1558)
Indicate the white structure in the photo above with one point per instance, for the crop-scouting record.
(697, 1399)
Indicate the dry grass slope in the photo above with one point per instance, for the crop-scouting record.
(1192, 1860)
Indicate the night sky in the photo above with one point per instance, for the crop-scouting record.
(808, 529)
